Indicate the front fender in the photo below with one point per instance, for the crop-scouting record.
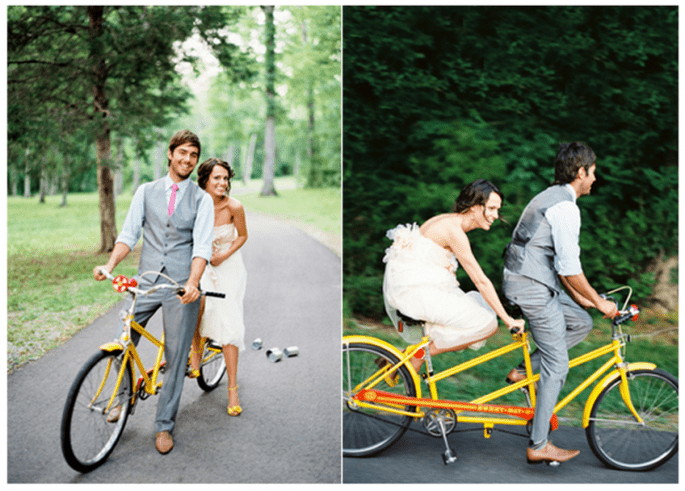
(388, 347)
(113, 347)
(605, 382)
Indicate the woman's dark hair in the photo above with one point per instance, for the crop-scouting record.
(205, 170)
(476, 193)
(570, 158)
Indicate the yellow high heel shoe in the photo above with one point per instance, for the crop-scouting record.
(195, 373)
(234, 410)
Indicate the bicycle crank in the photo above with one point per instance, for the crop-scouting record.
(432, 418)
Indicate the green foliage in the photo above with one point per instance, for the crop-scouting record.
(437, 96)
(58, 56)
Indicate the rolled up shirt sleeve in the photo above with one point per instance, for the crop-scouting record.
(564, 219)
(203, 232)
(133, 225)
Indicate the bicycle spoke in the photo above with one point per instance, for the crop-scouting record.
(622, 442)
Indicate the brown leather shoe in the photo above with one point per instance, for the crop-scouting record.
(550, 453)
(114, 414)
(164, 442)
(515, 376)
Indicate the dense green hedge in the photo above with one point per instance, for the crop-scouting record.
(435, 97)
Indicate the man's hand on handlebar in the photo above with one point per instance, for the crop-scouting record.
(98, 275)
(190, 293)
(608, 308)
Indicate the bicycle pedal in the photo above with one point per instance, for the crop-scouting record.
(550, 463)
(448, 457)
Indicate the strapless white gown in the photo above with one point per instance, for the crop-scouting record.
(223, 317)
(420, 282)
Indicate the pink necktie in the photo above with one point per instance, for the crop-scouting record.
(172, 201)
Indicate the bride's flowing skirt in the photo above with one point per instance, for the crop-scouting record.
(420, 282)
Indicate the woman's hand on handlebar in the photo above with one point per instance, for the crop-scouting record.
(516, 326)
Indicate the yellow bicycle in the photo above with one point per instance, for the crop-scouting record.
(630, 417)
(107, 381)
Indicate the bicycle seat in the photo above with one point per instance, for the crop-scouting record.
(409, 320)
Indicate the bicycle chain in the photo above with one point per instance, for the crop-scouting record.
(455, 430)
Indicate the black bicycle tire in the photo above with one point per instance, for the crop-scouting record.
(70, 404)
(604, 455)
(212, 382)
(410, 390)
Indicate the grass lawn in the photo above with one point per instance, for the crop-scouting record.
(51, 253)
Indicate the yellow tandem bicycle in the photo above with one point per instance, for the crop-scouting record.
(630, 417)
(108, 381)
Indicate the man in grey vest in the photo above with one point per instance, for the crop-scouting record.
(544, 254)
(177, 220)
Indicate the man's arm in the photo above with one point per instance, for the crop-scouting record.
(192, 286)
(575, 295)
(119, 252)
(130, 233)
(581, 286)
(203, 232)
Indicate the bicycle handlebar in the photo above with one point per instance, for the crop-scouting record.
(131, 285)
(622, 315)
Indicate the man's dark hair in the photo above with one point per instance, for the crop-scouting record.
(181, 137)
(205, 170)
(570, 158)
(476, 193)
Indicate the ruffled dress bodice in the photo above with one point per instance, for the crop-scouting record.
(409, 245)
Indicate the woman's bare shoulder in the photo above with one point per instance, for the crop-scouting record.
(233, 204)
(442, 229)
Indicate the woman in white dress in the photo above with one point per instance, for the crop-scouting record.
(420, 279)
(222, 319)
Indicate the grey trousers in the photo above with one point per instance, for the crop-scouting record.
(179, 326)
(557, 324)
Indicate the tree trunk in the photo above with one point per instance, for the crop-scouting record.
(249, 158)
(230, 156)
(270, 130)
(27, 176)
(313, 178)
(108, 231)
(119, 172)
(157, 164)
(64, 181)
(27, 183)
(136, 173)
(296, 170)
(42, 183)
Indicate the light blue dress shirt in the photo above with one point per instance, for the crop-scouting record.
(203, 233)
(564, 219)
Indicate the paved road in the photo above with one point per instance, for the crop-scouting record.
(289, 431)
(417, 458)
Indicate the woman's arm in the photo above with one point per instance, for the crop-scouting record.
(236, 209)
(460, 246)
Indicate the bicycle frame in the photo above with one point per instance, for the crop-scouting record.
(367, 396)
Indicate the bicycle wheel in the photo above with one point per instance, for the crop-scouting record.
(87, 437)
(212, 368)
(622, 443)
(368, 430)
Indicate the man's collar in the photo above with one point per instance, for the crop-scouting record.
(571, 191)
(181, 185)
